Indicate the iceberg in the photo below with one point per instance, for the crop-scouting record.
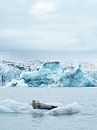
(17, 83)
(7, 73)
(36, 79)
(41, 74)
(52, 68)
(13, 83)
(48, 74)
(75, 78)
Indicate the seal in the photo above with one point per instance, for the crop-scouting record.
(38, 105)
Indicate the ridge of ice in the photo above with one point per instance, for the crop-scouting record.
(48, 74)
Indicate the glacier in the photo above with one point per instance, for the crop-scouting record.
(44, 74)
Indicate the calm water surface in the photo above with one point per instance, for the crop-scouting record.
(85, 120)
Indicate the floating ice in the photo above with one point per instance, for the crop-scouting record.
(75, 78)
(17, 83)
(8, 72)
(65, 110)
(47, 74)
(50, 68)
(36, 79)
(13, 106)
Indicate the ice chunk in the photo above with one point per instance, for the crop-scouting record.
(52, 68)
(8, 72)
(75, 78)
(13, 106)
(13, 83)
(36, 79)
(21, 83)
(17, 83)
(65, 110)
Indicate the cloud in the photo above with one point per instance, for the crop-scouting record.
(48, 40)
(44, 7)
(50, 24)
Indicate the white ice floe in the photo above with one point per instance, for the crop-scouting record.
(13, 106)
(72, 108)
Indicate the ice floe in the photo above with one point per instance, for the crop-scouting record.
(12, 106)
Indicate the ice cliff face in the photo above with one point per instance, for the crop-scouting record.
(8, 72)
(55, 73)
(36, 79)
(49, 73)
(75, 78)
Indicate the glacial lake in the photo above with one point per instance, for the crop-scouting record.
(85, 120)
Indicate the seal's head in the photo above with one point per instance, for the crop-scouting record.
(35, 104)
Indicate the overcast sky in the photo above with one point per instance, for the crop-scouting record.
(64, 25)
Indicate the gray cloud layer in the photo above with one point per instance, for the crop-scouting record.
(71, 25)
